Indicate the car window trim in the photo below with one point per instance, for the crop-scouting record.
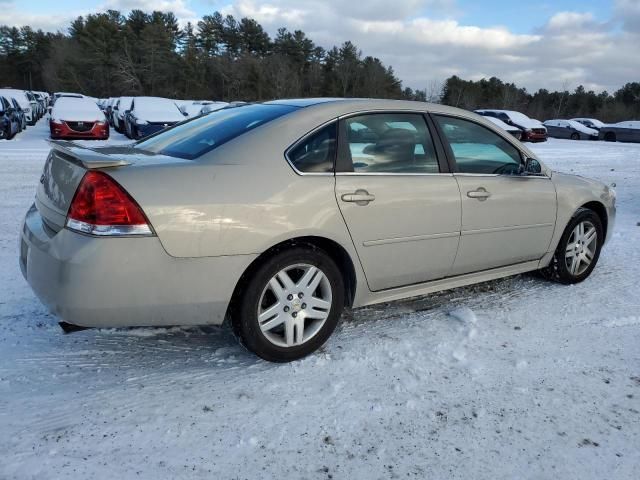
(304, 138)
(451, 157)
(345, 167)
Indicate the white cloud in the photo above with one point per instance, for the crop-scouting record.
(629, 12)
(424, 40)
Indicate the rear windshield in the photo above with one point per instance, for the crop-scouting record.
(196, 137)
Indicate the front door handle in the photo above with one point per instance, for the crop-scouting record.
(359, 197)
(479, 194)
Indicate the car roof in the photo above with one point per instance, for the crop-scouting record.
(343, 106)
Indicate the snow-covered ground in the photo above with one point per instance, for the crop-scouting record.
(517, 378)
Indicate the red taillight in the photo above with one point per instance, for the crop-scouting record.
(102, 207)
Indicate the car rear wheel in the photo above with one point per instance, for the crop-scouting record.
(290, 305)
(578, 250)
(575, 136)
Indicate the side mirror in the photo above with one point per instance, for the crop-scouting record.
(532, 167)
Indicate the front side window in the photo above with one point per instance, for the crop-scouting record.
(389, 143)
(477, 149)
(316, 153)
(200, 135)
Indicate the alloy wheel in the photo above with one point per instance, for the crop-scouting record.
(294, 305)
(581, 248)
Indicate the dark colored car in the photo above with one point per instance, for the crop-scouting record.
(10, 122)
(621, 132)
(149, 115)
(570, 129)
(532, 130)
(20, 112)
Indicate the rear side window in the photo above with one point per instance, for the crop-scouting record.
(196, 137)
(316, 153)
(389, 143)
(479, 150)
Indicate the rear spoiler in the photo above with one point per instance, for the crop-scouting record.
(86, 157)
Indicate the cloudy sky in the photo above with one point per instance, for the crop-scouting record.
(543, 44)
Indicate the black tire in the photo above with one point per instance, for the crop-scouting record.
(558, 270)
(609, 137)
(244, 317)
(575, 136)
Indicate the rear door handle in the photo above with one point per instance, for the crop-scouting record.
(359, 197)
(479, 194)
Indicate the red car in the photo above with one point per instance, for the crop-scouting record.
(73, 117)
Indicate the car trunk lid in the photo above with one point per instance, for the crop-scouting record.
(65, 166)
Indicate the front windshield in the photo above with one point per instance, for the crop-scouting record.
(196, 137)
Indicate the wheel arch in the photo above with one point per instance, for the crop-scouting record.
(332, 248)
(601, 211)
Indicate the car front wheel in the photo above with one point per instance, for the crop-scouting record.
(290, 304)
(578, 250)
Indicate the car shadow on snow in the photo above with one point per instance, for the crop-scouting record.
(150, 348)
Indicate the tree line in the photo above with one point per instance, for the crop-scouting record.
(220, 57)
(623, 104)
(109, 54)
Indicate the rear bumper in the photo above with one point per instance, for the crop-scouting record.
(112, 282)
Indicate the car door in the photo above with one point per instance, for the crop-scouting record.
(400, 203)
(507, 217)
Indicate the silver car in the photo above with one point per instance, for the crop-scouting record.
(278, 215)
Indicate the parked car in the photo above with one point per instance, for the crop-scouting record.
(260, 215)
(20, 112)
(122, 105)
(77, 118)
(10, 123)
(149, 115)
(570, 129)
(57, 95)
(593, 123)
(628, 131)
(42, 108)
(23, 100)
(108, 110)
(197, 107)
(212, 107)
(532, 130)
(513, 130)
